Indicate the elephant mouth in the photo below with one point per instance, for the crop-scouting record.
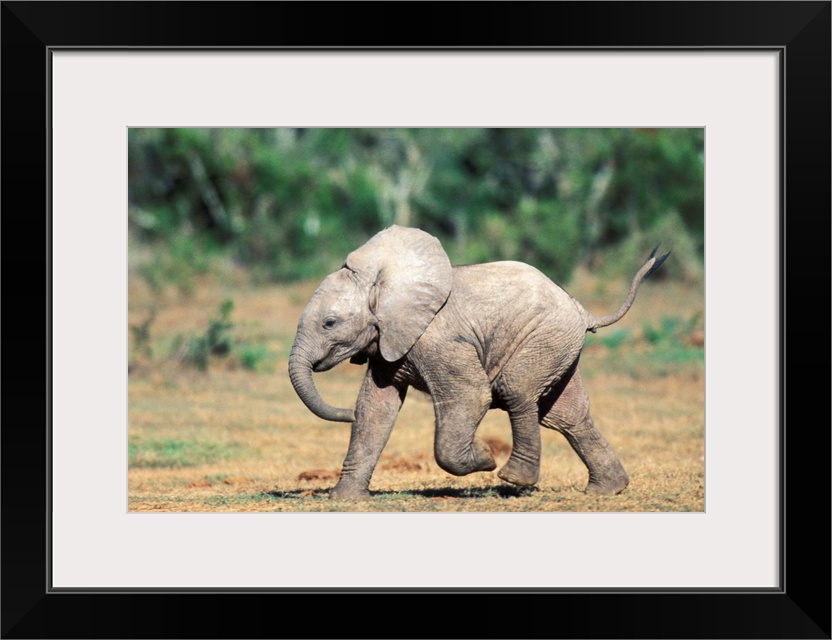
(323, 365)
(337, 356)
(359, 358)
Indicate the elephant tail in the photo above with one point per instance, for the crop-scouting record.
(652, 263)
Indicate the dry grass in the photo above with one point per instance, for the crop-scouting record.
(234, 440)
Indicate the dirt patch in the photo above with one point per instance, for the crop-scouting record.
(198, 483)
(403, 463)
(320, 474)
(498, 446)
(236, 480)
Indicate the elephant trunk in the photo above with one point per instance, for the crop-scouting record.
(300, 373)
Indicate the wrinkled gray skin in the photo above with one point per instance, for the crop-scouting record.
(497, 335)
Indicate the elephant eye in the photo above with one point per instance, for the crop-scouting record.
(329, 323)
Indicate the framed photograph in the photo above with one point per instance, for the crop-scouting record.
(90, 521)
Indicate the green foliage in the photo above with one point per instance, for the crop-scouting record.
(291, 203)
(669, 233)
(670, 330)
(671, 347)
(615, 338)
(255, 357)
(657, 171)
(172, 453)
(218, 341)
(214, 341)
(666, 347)
(177, 262)
(142, 350)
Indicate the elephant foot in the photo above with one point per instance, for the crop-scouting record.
(609, 486)
(459, 462)
(483, 456)
(524, 474)
(342, 492)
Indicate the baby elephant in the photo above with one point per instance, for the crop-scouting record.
(478, 337)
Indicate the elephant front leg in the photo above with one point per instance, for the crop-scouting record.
(378, 405)
(455, 447)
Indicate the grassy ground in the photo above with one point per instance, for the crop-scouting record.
(235, 437)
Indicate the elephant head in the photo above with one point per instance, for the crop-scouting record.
(379, 302)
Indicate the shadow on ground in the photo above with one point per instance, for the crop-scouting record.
(446, 492)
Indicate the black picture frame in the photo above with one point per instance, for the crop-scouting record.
(799, 608)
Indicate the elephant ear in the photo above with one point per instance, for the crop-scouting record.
(410, 279)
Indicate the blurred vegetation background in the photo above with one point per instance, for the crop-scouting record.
(290, 204)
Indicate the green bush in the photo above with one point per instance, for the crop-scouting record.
(177, 262)
(615, 338)
(214, 341)
(255, 357)
(218, 341)
(670, 330)
(291, 203)
(669, 234)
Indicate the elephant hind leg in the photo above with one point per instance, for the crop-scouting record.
(606, 474)
(523, 465)
(566, 409)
